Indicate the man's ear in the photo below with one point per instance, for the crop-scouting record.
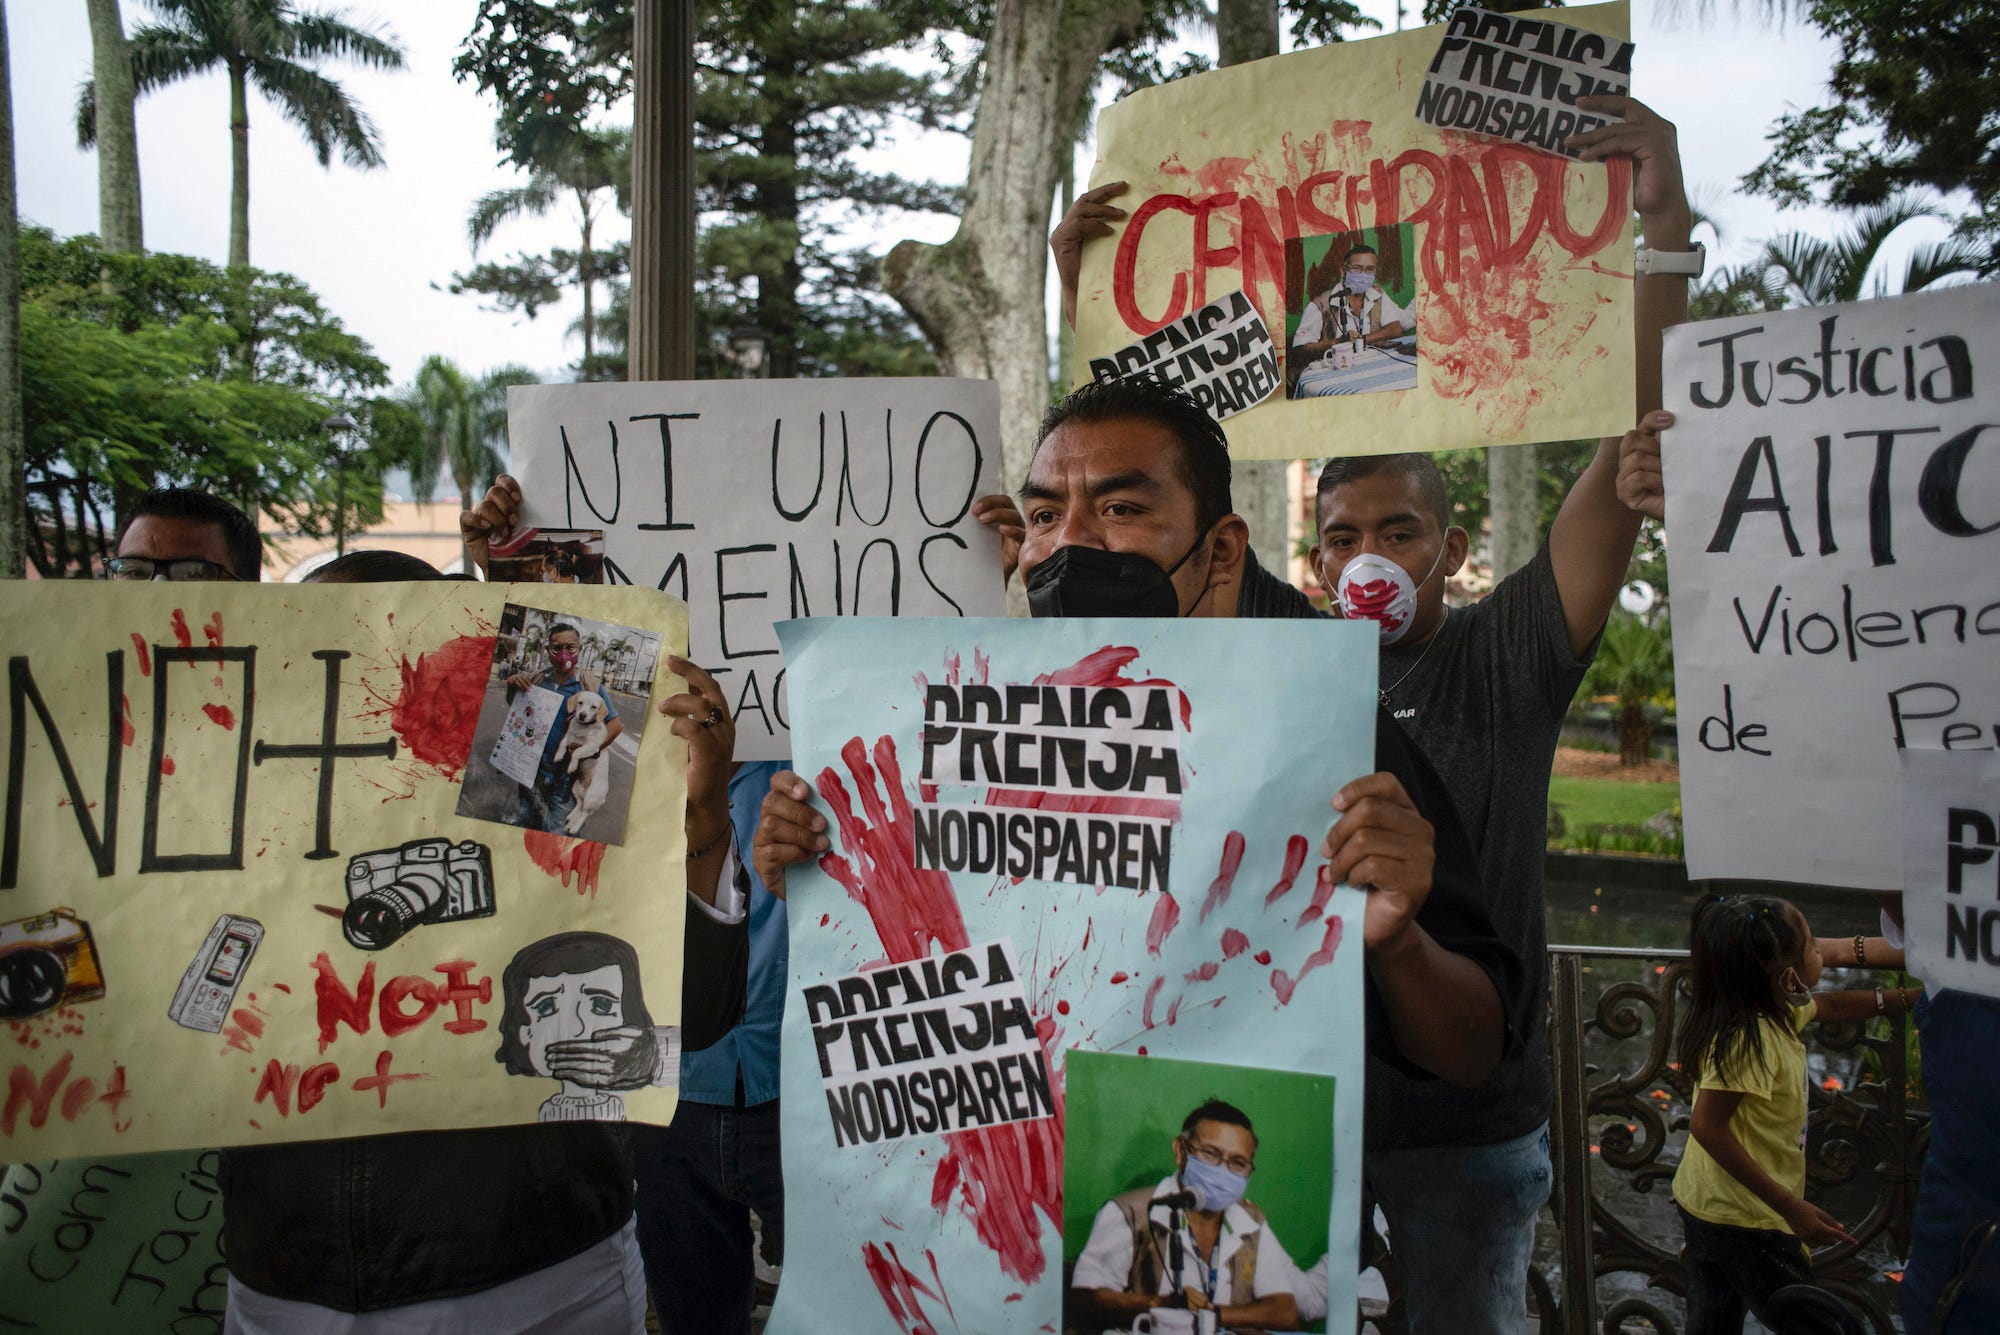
(1228, 545)
(1456, 544)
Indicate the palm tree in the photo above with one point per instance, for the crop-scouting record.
(274, 46)
(119, 224)
(581, 169)
(1813, 271)
(1634, 662)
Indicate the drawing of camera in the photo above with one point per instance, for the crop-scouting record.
(46, 961)
(426, 880)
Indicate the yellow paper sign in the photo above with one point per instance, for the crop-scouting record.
(1429, 289)
(262, 880)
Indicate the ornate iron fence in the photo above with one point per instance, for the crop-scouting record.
(1608, 1254)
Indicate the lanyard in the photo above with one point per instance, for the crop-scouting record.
(1207, 1272)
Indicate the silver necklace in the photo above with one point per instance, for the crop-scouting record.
(1383, 694)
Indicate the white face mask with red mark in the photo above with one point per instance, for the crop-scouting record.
(1374, 588)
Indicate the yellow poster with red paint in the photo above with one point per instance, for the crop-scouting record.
(1426, 289)
(262, 880)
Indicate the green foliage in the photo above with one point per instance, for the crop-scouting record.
(1812, 271)
(462, 425)
(551, 64)
(131, 386)
(1635, 663)
(1912, 99)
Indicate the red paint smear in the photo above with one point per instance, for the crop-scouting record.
(825, 918)
(561, 856)
(1002, 1175)
(1174, 1010)
(437, 711)
(1120, 976)
(282, 987)
(1295, 858)
(1322, 891)
(901, 1288)
(166, 764)
(1225, 874)
(1234, 943)
(1204, 971)
(220, 715)
(1262, 957)
(126, 732)
(1285, 984)
(213, 632)
(1166, 915)
(1152, 995)
(1062, 1008)
(182, 635)
(145, 654)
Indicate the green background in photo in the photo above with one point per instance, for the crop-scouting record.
(1123, 1113)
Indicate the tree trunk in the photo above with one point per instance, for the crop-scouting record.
(659, 344)
(1510, 477)
(1247, 30)
(981, 297)
(13, 452)
(119, 224)
(777, 309)
(239, 165)
(1635, 735)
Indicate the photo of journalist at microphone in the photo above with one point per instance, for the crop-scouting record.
(1197, 1197)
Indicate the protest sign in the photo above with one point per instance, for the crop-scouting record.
(1833, 524)
(1951, 868)
(1097, 814)
(1520, 78)
(130, 1244)
(759, 500)
(239, 906)
(1519, 261)
(1222, 355)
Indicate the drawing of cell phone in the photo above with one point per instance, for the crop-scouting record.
(208, 989)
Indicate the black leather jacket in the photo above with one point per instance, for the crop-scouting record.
(380, 1221)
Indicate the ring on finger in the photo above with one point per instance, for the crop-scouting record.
(715, 716)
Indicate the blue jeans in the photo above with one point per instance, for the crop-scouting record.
(1952, 1283)
(548, 804)
(1462, 1225)
(699, 1179)
(1734, 1271)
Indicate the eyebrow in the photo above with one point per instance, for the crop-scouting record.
(602, 992)
(1130, 480)
(1402, 517)
(534, 997)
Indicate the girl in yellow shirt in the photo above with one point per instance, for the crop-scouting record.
(1741, 1183)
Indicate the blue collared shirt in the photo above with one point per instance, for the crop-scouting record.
(709, 1076)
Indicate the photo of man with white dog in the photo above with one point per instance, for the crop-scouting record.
(552, 751)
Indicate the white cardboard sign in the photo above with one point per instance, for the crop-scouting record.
(1833, 525)
(1951, 869)
(761, 500)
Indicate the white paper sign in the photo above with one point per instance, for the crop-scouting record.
(1833, 524)
(1951, 869)
(762, 500)
(1221, 354)
(517, 751)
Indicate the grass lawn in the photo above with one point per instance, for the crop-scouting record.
(1610, 801)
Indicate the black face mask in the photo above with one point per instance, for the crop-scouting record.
(1091, 582)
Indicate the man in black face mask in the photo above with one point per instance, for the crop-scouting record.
(1128, 513)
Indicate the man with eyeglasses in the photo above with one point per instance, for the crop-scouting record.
(1192, 1242)
(179, 533)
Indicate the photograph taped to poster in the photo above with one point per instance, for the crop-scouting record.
(1350, 313)
(1832, 480)
(548, 556)
(1951, 868)
(1524, 258)
(245, 910)
(1232, 952)
(759, 500)
(1519, 78)
(1221, 354)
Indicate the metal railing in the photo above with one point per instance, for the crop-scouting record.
(1608, 1252)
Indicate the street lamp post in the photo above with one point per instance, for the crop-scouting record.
(340, 430)
(750, 349)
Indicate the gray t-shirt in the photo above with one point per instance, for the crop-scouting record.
(1486, 704)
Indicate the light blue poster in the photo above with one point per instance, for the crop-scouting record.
(1050, 837)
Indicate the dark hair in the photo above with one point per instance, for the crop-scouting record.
(565, 952)
(562, 626)
(1420, 468)
(1363, 249)
(1736, 944)
(1204, 461)
(373, 567)
(239, 534)
(1215, 1110)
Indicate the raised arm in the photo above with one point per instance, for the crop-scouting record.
(1590, 543)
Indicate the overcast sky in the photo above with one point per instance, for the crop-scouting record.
(379, 247)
